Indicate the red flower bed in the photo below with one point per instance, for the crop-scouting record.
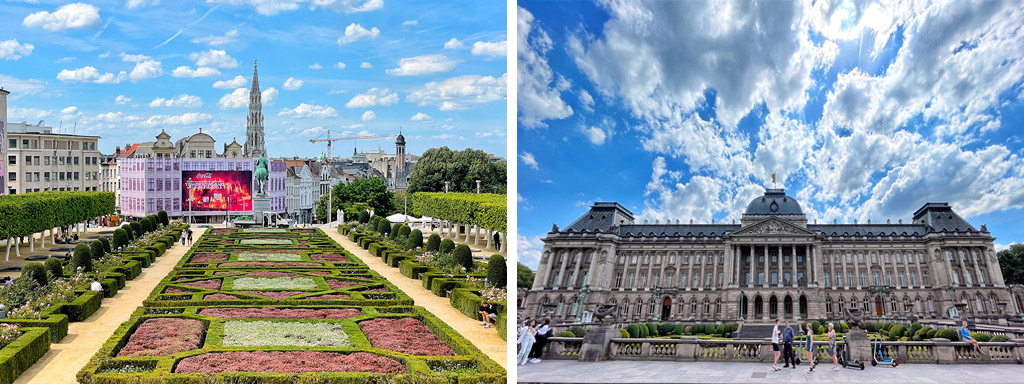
(272, 274)
(329, 257)
(222, 231)
(329, 296)
(164, 336)
(236, 264)
(404, 335)
(304, 241)
(205, 284)
(288, 362)
(280, 313)
(274, 294)
(209, 258)
(338, 284)
(219, 296)
(376, 290)
(304, 231)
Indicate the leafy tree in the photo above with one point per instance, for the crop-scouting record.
(415, 239)
(464, 256)
(496, 271)
(460, 168)
(433, 242)
(96, 247)
(1011, 262)
(82, 258)
(524, 276)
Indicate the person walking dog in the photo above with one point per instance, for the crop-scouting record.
(775, 345)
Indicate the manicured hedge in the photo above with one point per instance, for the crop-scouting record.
(28, 213)
(485, 210)
(20, 354)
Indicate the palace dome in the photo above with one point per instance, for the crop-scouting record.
(774, 202)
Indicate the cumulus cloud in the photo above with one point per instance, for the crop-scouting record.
(422, 65)
(215, 40)
(69, 110)
(316, 66)
(495, 49)
(355, 32)
(339, 65)
(274, 7)
(536, 100)
(292, 84)
(595, 135)
(146, 69)
(587, 100)
(180, 101)
(91, 75)
(529, 250)
(12, 50)
(453, 44)
(308, 110)
(213, 58)
(420, 116)
(70, 16)
(462, 92)
(238, 81)
(122, 99)
(185, 71)
(528, 159)
(373, 97)
(129, 58)
(365, 65)
(183, 119)
(368, 115)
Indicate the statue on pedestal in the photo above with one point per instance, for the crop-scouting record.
(261, 175)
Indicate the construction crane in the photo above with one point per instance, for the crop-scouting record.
(329, 140)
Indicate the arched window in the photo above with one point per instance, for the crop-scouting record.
(625, 307)
(639, 307)
(841, 305)
(979, 304)
(992, 303)
(931, 304)
(707, 306)
(718, 306)
(560, 307)
(652, 306)
(828, 304)
(892, 305)
(693, 306)
(853, 302)
(906, 304)
(917, 305)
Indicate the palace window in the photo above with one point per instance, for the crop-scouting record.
(721, 258)
(899, 257)
(711, 259)
(888, 275)
(828, 304)
(860, 257)
(643, 280)
(686, 258)
(787, 278)
(682, 280)
(913, 278)
(828, 280)
(841, 305)
(924, 278)
(693, 306)
(981, 275)
(887, 259)
(672, 258)
(654, 279)
(775, 259)
(647, 258)
(629, 281)
(949, 254)
(559, 308)
(625, 308)
(668, 278)
(775, 278)
(863, 279)
(917, 305)
(634, 258)
(992, 302)
(622, 259)
(799, 258)
(697, 258)
(696, 280)
(720, 279)
(849, 258)
(760, 278)
(892, 304)
(874, 257)
(956, 277)
(800, 277)
(836, 256)
(850, 279)
(786, 259)
(902, 282)
(931, 304)
(707, 280)
(824, 257)
(639, 307)
(963, 256)
(969, 276)
(707, 306)
(652, 308)
(920, 257)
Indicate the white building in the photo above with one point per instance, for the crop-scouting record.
(40, 160)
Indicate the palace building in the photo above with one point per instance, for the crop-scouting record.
(772, 264)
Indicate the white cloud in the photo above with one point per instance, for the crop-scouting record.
(237, 82)
(529, 250)
(316, 66)
(420, 116)
(365, 65)
(122, 99)
(239, 98)
(91, 74)
(132, 4)
(462, 92)
(495, 49)
(228, 37)
(133, 58)
(147, 69)
(368, 115)
(348, 6)
(69, 110)
(373, 97)
(180, 101)
(116, 117)
(410, 22)
(446, 136)
(355, 32)
(339, 65)
(536, 101)
(185, 71)
(586, 100)
(28, 114)
(529, 160)
(308, 110)
(183, 119)
(70, 16)
(267, 96)
(11, 50)
(422, 65)
(292, 84)
(595, 135)
(274, 7)
(335, 92)
(213, 58)
(453, 44)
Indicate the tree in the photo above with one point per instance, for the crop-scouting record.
(433, 242)
(363, 217)
(464, 256)
(96, 247)
(82, 258)
(383, 227)
(106, 244)
(415, 239)
(1011, 262)
(496, 271)
(128, 231)
(136, 229)
(163, 217)
(447, 246)
(120, 238)
(524, 276)
(373, 191)
(460, 168)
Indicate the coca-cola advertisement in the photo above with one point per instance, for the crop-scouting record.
(216, 190)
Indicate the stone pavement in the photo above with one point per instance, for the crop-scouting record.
(564, 371)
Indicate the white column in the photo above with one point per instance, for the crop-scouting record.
(780, 283)
(767, 261)
(728, 268)
(689, 271)
(843, 280)
(650, 269)
(895, 272)
(792, 258)
(636, 273)
(977, 271)
(561, 270)
(625, 271)
(963, 270)
(576, 271)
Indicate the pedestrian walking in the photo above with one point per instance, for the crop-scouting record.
(184, 236)
(788, 356)
(810, 348)
(966, 336)
(775, 345)
(526, 340)
(189, 236)
(832, 347)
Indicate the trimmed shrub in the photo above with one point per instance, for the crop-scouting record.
(82, 258)
(720, 330)
(120, 238)
(688, 330)
(652, 329)
(383, 228)
(496, 269)
(163, 217)
(896, 332)
(54, 267)
(819, 330)
(733, 327)
(464, 257)
(566, 334)
(96, 247)
(447, 246)
(36, 272)
(136, 229)
(106, 244)
(666, 329)
(644, 331)
(403, 232)
(980, 336)
(914, 328)
(948, 333)
(415, 239)
(394, 231)
(921, 334)
(633, 330)
(128, 231)
(146, 225)
(433, 242)
(364, 217)
(999, 339)
(624, 333)
(931, 333)
(578, 331)
(843, 327)
(680, 329)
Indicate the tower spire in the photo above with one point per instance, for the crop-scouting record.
(254, 122)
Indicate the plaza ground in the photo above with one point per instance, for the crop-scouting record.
(567, 371)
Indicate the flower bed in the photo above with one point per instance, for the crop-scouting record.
(251, 264)
(288, 362)
(209, 258)
(404, 335)
(261, 283)
(266, 242)
(339, 284)
(8, 333)
(220, 296)
(264, 230)
(280, 313)
(329, 257)
(164, 336)
(262, 333)
(269, 257)
(204, 284)
(274, 294)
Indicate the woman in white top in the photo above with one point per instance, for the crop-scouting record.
(526, 339)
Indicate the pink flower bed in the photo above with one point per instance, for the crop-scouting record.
(205, 284)
(274, 294)
(164, 336)
(280, 313)
(303, 231)
(273, 274)
(338, 284)
(288, 362)
(226, 241)
(209, 258)
(304, 241)
(222, 231)
(219, 296)
(329, 296)
(376, 290)
(236, 264)
(404, 335)
(175, 290)
(329, 257)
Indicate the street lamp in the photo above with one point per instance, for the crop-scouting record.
(581, 299)
(478, 187)
(656, 295)
(743, 307)
(446, 187)
(189, 185)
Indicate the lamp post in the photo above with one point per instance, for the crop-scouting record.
(189, 185)
(446, 187)
(584, 293)
(798, 302)
(743, 300)
(478, 187)
(951, 291)
(656, 295)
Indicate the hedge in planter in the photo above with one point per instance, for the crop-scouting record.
(19, 355)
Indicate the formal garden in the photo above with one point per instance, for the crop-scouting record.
(274, 305)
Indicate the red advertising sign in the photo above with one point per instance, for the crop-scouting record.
(216, 190)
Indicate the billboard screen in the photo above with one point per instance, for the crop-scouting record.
(216, 190)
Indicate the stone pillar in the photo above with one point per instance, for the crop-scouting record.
(944, 351)
(625, 273)
(576, 271)
(753, 262)
(856, 270)
(727, 269)
(636, 273)
(779, 267)
(609, 265)
(920, 277)
(842, 279)
(714, 271)
(993, 267)
(948, 263)
(552, 254)
(977, 271)
(560, 257)
(766, 262)
(963, 270)
(896, 273)
(792, 258)
(703, 264)
(650, 269)
(689, 270)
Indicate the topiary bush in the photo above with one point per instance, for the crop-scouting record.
(644, 331)
(931, 333)
(921, 334)
(624, 333)
(680, 329)
(819, 330)
(464, 257)
(136, 229)
(980, 336)
(633, 330)
(948, 333)
(54, 267)
(96, 247)
(82, 258)
(914, 327)
(146, 225)
(447, 246)
(394, 231)
(36, 272)
(999, 339)
(720, 330)
(896, 332)
(566, 334)
(383, 227)
(843, 327)
(129, 231)
(415, 239)
(433, 242)
(652, 329)
(364, 217)
(666, 329)
(120, 238)
(496, 271)
(106, 244)
(578, 331)
(163, 217)
(403, 232)
(733, 327)
(688, 330)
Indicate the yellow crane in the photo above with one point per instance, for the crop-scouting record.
(329, 139)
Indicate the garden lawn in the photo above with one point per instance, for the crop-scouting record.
(263, 333)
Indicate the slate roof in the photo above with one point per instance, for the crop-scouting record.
(601, 216)
(869, 229)
(762, 205)
(677, 229)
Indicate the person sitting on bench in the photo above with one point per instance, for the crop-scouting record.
(487, 314)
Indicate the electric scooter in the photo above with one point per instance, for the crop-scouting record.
(844, 360)
(877, 357)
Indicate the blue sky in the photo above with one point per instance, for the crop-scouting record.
(684, 110)
(124, 70)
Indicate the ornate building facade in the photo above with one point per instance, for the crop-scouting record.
(773, 264)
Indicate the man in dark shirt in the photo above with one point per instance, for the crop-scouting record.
(787, 347)
(487, 314)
